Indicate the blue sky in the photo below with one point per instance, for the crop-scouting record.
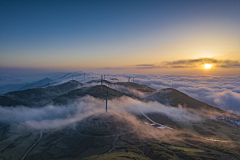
(97, 34)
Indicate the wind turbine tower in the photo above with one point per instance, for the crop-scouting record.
(101, 81)
(106, 100)
(104, 76)
(133, 79)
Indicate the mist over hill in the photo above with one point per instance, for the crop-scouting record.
(218, 91)
(67, 119)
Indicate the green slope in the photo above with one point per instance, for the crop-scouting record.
(139, 87)
(173, 97)
(42, 96)
(6, 101)
(94, 91)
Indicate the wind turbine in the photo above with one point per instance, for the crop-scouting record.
(101, 83)
(104, 76)
(106, 100)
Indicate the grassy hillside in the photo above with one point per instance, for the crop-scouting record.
(6, 101)
(94, 91)
(139, 87)
(173, 97)
(115, 136)
(42, 96)
(118, 156)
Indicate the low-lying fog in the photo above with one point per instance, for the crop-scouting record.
(54, 117)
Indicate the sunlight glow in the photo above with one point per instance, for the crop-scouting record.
(207, 66)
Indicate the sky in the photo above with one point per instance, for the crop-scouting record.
(121, 36)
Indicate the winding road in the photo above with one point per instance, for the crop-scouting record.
(154, 123)
(114, 142)
(163, 126)
(33, 145)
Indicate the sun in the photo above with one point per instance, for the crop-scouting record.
(207, 66)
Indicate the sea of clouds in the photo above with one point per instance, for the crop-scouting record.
(219, 91)
(54, 117)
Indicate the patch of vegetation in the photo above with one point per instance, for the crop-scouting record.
(6, 101)
(212, 124)
(4, 129)
(187, 149)
(223, 149)
(134, 149)
(94, 91)
(203, 132)
(127, 138)
(186, 135)
(207, 158)
(157, 152)
(186, 155)
(139, 87)
(174, 97)
(118, 156)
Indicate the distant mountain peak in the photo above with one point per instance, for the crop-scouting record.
(39, 83)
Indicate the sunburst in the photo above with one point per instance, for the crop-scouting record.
(207, 66)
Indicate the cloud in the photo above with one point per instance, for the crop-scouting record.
(54, 117)
(146, 66)
(111, 68)
(192, 63)
(219, 91)
(228, 100)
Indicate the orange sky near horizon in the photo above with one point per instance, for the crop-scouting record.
(143, 37)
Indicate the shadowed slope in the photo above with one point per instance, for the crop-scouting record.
(6, 101)
(94, 91)
(136, 86)
(118, 156)
(37, 84)
(139, 87)
(175, 98)
(65, 87)
(42, 96)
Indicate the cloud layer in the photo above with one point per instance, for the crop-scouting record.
(219, 91)
(193, 63)
(53, 117)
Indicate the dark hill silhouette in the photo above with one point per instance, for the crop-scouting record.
(6, 101)
(136, 86)
(94, 91)
(65, 87)
(173, 97)
(139, 87)
(36, 84)
(105, 81)
(42, 96)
